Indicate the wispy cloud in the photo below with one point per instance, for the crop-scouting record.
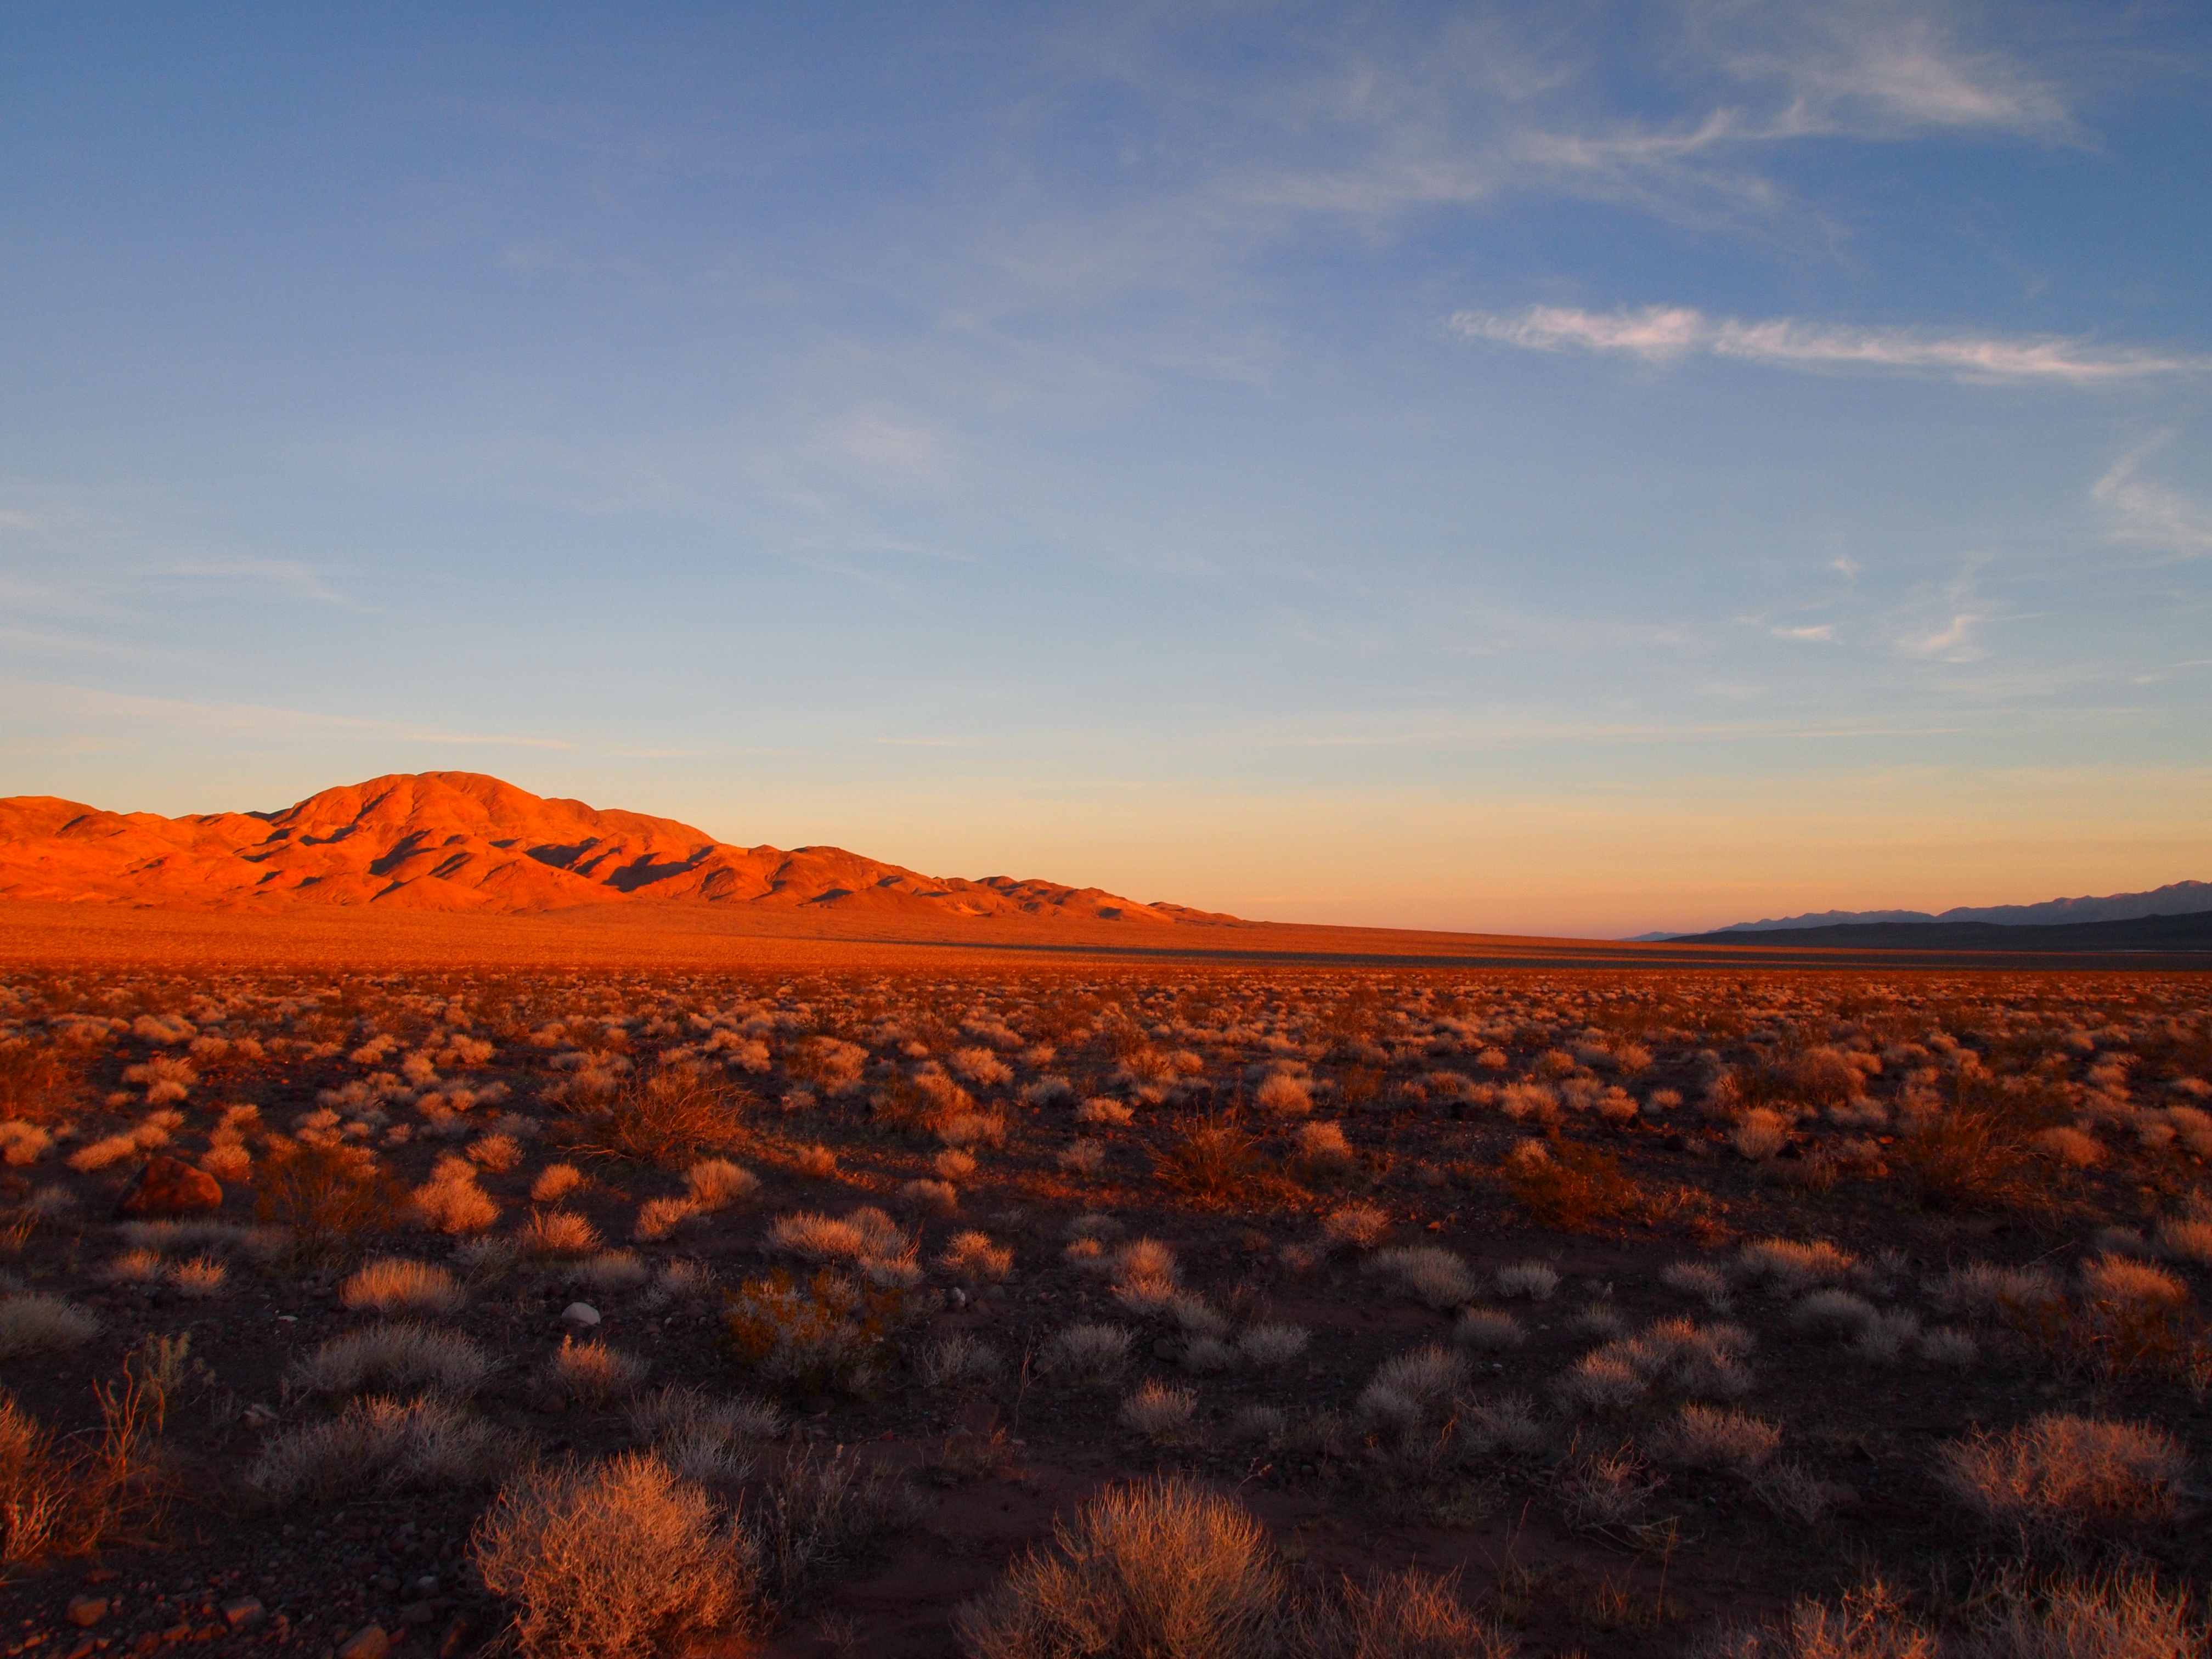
(2149, 515)
(1660, 334)
(286, 576)
(123, 710)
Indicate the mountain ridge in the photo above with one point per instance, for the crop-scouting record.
(466, 841)
(2175, 898)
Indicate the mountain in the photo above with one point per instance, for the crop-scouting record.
(460, 840)
(2178, 898)
(2190, 931)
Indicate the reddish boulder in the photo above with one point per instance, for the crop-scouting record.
(170, 1187)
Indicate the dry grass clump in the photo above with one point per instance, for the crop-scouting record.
(587, 1374)
(716, 1184)
(2118, 1279)
(1408, 1388)
(1145, 1280)
(1788, 1267)
(396, 1284)
(1699, 1280)
(866, 1235)
(823, 1510)
(1431, 1276)
(1408, 1615)
(201, 1279)
(378, 1445)
(1982, 1290)
(1159, 1410)
(1675, 1356)
(42, 1324)
(1603, 1490)
(1485, 1330)
(953, 1361)
(1535, 1280)
(2059, 1480)
(679, 1413)
(609, 1272)
(674, 1117)
(825, 1333)
(1087, 1352)
(618, 1560)
(555, 1183)
(1161, 1569)
(1354, 1227)
(552, 1234)
(451, 1202)
(930, 1197)
(659, 1217)
(972, 1256)
(2120, 1616)
(1264, 1346)
(397, 1358)
(1572, 1189)
(1701, 1437)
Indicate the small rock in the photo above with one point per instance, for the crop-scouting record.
(581, 1313)
(369, 1642)
(87, 1610)
(426, 1586)
(245, 1610)
(418, 1612)
(170, 1187)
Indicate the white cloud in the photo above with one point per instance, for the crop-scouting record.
(2148, 514)
(1952, 643)
(1666, 333)
(884, 442)
(286, 576)
(1823, 631)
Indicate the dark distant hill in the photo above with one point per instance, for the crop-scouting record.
(2186, 932)
(2174, 899)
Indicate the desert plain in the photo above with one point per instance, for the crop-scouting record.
(1017, 1279)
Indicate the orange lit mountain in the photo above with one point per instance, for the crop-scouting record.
(459, 841)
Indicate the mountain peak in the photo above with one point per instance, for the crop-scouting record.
(466, 841)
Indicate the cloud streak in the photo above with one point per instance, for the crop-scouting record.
(2149, 515)
(1665, 334)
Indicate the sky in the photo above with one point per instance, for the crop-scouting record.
(1555, 468)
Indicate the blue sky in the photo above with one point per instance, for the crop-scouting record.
(1546, 468)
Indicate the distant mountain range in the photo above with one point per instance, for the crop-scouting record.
(460, 840)
(2180, 898)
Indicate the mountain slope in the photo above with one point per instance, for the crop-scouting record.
(2175, 899)
(460, 840)
(2190, 931)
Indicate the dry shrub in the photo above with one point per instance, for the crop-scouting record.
(821, 1511)
(1536, 1280)
(1157, 1410)
(200, 1279)
(953, 1360)
(380, 1446)
(2115, 1279)
(867, 1234)
(819, 1335)
(1265, 1346)
(1869, 1623)
(674, 1117)
(1212, 1160)
(2060, 1481)
(2122, 1615)
(1570, 1190)
(587, 1374)
(1087, 1353)
(618, 1560)
(42, 1324)
(1161, 1571)
(658, 1217)
(715, 1183)
(1354, 1227)
(395, 1285)
(1487, 1331)
(972, 1256)
(326, 1197)
(1410, 1387)
(1432, 1276)
(451, 1202)
(1972, 1159)
(397, 1358)
(38, 1491)
(1701, 1437)
(555, 1183)
(37, 1085)
(1600, 1491)
(1788, 1267)
(1398, 1615)
(554, 1233)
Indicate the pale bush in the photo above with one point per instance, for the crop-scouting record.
(1323, 1145)
(1699, 1280)
(135, 1267)
(1408, 1615)
(2058, 1479)
(982, 1067)
(1792, 1492)
(395, 1357)
(951, 1165)
(690, 1414)
(1431, 1276)
(821, 1510)
(2187, 1240)
(1100, 1109)
(1409, 1386)
(965, 1129)
(2121, 1615)
(380, 1446)
(1982, 1290)
(1286, 1097)
(1265, 1346)
(618, 1560)
(103, 1153)
(1701, 1437)
(1837, 1313)
(1083, 1158)
(610, 1272)
(22, 1144)
(395, 1285)
(952, 1360)
(42, 1324)
(1485, 1330)
(971, 1255)
(1157, 1410)
(716, 1184)
(498, 1153)
(931, 1197)
(1505, 1427)
(1600, 1490)
(1942, 1346)
(1163, 1569)
(1535, 1279)
(867, 1233)
(1088, 1353)
(588, 1373)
